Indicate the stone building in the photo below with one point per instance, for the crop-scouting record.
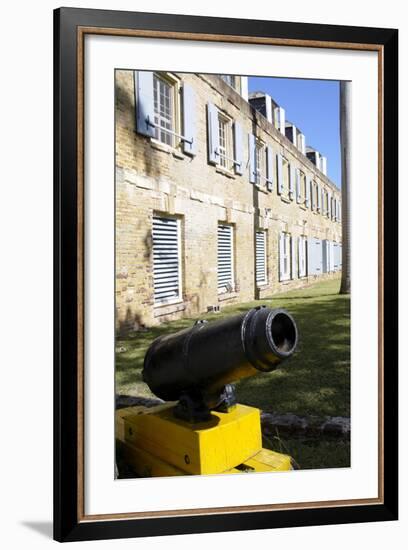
(218, 198)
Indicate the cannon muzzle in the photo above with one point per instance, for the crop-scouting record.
(198, 363)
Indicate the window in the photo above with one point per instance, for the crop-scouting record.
(260, 258)
(225, 142)
(225, 259)
(302, 261)
(225, 147)
(259, 162)
(302, 176)
(166, 260)
(164, 110)
(284, 256)
(233, 81)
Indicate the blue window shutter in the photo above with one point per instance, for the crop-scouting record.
(189, 120)
(307, 197)
(238, 149)
(297, 185)
(144, 102)
(269, 168)
(291, 181)
(212, 133)
(252, 157)
(293, 256)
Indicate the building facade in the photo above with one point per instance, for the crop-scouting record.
(217, 198)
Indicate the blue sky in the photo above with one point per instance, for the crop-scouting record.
(313, 106)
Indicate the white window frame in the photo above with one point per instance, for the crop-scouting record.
(225, 152)
(179, 297)
(173, 140)
(223, 289)
(260, 162)
(302, 257)
(287, 257)
(285, 177)
(265, 259)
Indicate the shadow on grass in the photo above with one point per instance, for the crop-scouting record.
(315, 380)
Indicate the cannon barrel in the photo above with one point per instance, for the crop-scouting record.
(210, 355)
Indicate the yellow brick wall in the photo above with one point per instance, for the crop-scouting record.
(152, 178)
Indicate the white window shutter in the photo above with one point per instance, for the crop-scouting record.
(189, 120)
(280, 172)
(300, 256)
(225, 265)
(144, 103)
(293, 257)
(281, 253)
(166, 259)
(252, 158)
(310, 257)
(319, 257)
(298, 190)
(238, 149)
(307, 197)
(269, 168)
(292, 178)
(260, 257)
(312, 195)
(319, 198)
(212, 133)
(329, 205)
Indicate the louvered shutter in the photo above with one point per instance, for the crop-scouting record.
(336, 257)
(293, 257)
(260, 257)
(144, 102)
(189, 120)
(325, 256)
(225, 267)
(292, 178)
(319, 257)
(298, 190)
(319, 198)
(269, 168)
(300, 257)
(281, 255)
(238, 149)
(329, 205)
(307, 190)
(252, 158)
(212, 133)
(310, 257)
(279, 170)
(166, 259)
(312, 195)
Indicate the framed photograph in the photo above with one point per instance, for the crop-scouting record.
(225, 274)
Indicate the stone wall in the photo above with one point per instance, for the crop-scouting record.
(154, 178)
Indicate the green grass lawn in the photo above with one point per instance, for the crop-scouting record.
(314, 381)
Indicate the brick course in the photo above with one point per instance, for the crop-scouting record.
(153, 178)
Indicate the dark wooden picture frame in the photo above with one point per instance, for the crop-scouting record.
(70, 28)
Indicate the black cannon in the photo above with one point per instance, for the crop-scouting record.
(197, 366)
